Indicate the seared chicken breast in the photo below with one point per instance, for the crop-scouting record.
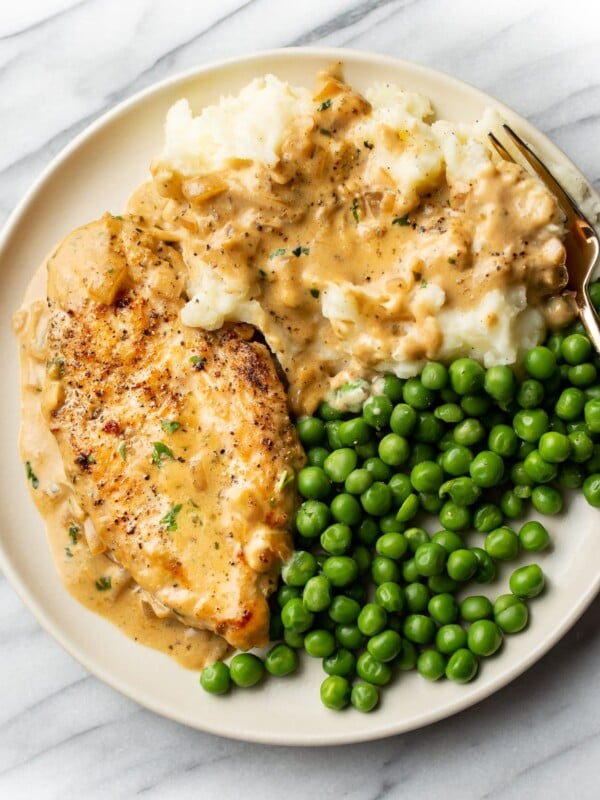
(177, 441)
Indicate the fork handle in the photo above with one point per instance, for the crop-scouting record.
(590, 322)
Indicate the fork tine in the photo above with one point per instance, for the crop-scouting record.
(501, 150)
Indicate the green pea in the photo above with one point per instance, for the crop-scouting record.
(530, 423)
(475, 607)
(372, 619)
(393, 450)
(364, 696)
(486, 571)
(317, 595)
(419, 628)
(540, 362)
(466, 376)
(417, 597)
(312, 518)
(390, 597)
(534, 537)
(316, 456)
(510, 613)
(416, 395)
(311, 431)
(511, 504)
(377, 411)
(407, 658)
(442, 583)
(443, 608)
(462, 490)
(591, 412)
(570, 404)
(392, 545)
(530, 394)
(377, 500)
(487, 517)
(292, 638)
(346, 509)
(547, 500)
(576, 349)
(582, 446)
(415, 537)
(421, 451)
(385, 646)
(454, 517)
(570, 475)
(342, 662)
(462, 666)
(503, 441)
(313, 483)
(426, 477)
(328, 412)
(527, 582)
(434, 376)
(450, 413)
(554, 447)
(362, 556)
(358, 481)
(281, 660)
(285, 593)
(299, 568)
(349, 636)
(409, 508)
(500, 383)
(392, 387)
(246, 669)
(431, 664)
(340, 570)
(319, 643)
(502, 544)
(368, 531)
(430, 558)
(583, 375)
(591, 489)
(484, 637)
(538, 469)
(519, 476)
(215, 678)
(340, 463)
(430, 502)
(469, 432)
(384, 569)
(335, 692)
(450, 638)
(332, 431)
(295, 616)
(372, 670)
(344, 609)
(462, 564)
(403, 419)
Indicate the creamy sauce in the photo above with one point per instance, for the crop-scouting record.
(83, 565)
(329, 215)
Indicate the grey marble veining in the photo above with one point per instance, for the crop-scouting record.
(63, 734)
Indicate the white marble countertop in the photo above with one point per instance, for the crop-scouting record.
(62, 732)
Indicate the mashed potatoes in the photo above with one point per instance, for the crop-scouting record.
(358, 234)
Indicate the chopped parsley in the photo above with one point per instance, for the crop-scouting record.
(169, 425)
(31, 476)
(279, 252)
(325, 131)
(355, 209)
(160, 451)
(262, 273)
(68, 552)
(325, 105)
(198, 362)
(315, 292)
(122, 451)
(104, 583)
(423, 283)
(170, 518)
(117, 216)
(284, 479)
(74, 533)
(368, 145)
(402, 221)
(300, 251)
(451, 260)
(56, 368)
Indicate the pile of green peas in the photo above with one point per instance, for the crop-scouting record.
(368, 590)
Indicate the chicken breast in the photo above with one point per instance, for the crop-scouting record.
(177, 441)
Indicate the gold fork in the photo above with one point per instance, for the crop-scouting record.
(581, 240)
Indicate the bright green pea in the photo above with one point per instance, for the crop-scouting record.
(462, 666)
(503, 440)
(570, 404)
(462, 564)
(502, 544)
(538, 469)
(434, 376)
(500, 383)
(393, 450)
(328, 412)
(443, 608)
(511, 504)
(332, 431)
(419, 629)
(430, 558)
(462, 490)
(319, 643)
(340, 463)
(377, 411)
(342, 662)
(317, 595)
(385, 646)
(484, 637)
(281, 660)
(449, 540)
(547, 500)
(312, 518)
(295, 616)
(372, 619)
(582, 446)
(426, 477)
(340, 570)
(390, 596)
(451, 413)
(354, 431)
(384, 569)
(403, 419)
(415, 537)
(358, 481)
(454, 517)
(335, 692)
(246, 669)
(349, 636)
(364, 697)
(215, 678)
(592, 415)
(583, 375)
(377, 499)
(466, 376)
(554, 447)
(416, 395)
(372, 670)
(392, 387)
(316, 456)
(527, 582)
(540, 362)
(344, 609)
(311, 431)
(430, 502)
(475, 607)
(407, 659)
(591, 489)
(416, 596)
(510, 613)
(487, 517)
(450, 638)
(486, 571)
(534, 537)
(429, 428)
(576, 349)
(469, 432)
(530, 423)
(393, 545)
(431, 664)
(346, 509)
(301, 566)
(530, 394)
(409, 508)
(313, 483)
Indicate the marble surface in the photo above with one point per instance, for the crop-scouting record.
(62, 732)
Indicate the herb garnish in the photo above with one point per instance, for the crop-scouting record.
(122, 451)
(74, 533)
(355, 209)
(368, 145)
(104, 583)
(402, 221)
(160, 451)
(198, 362)
(68, 552)
(169, 425)
(451, 260)
(56, 368)
(284, 479)
(170, 518)
(325, 131)
(279, 252)
(325, 105)
(315, 292)
(300, 251)
(31, 475)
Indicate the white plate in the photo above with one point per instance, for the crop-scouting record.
(96, 173)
